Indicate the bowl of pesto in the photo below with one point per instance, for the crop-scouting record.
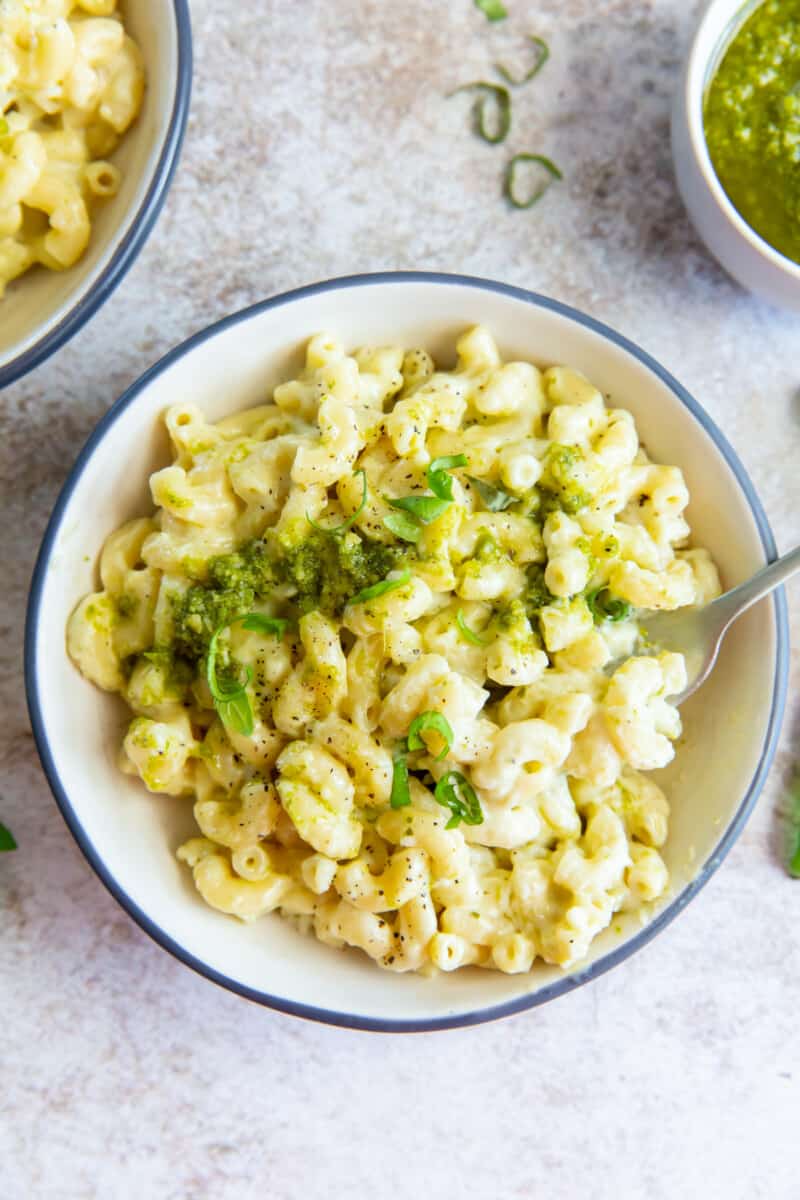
(736, 142)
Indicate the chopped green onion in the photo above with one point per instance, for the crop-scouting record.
(404, 526)
(493, 10)
(400, 795)
(455, 792)
(258, 623)
(793, 829)
(604, 606)
(493, 498)
(230, 696)
(424, 508)
(351, 520)
(436, 722)
(468, 634)
(7, 841)
(490, 94)
(543, 53)
(511, 187)
(439, 480)
(380, 589)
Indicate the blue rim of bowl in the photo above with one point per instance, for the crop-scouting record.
(141, 225)
(568, 982)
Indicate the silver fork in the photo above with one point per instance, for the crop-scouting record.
(697, 632)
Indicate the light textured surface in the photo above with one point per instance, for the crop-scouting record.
(320, 144)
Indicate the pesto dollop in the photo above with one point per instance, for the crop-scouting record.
(320, 570)
(752, 123)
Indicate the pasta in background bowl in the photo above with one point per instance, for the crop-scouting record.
(95, 96)
(130, 838)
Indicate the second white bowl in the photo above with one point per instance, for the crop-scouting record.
(43, 309)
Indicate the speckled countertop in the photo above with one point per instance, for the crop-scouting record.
(320, 144)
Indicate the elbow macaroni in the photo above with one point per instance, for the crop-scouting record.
(482, 612)
(71, 83)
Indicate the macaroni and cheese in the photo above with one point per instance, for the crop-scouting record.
(380, 632)
(71, 82)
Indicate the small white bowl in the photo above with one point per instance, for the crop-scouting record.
(745, 255)
(43, 309)
(130, 837)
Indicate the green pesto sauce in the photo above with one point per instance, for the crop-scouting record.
(322, 571)
(752, 123)
(537, 594)
(560, 486)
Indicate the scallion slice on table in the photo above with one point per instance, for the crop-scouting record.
(492, 97)
(513, 187)
(793, 829)
(542, 55)
(493, 10)
(7, 841)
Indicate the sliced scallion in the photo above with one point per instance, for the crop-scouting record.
(439, 724)
(380, 589)
(511, 186)
(542, 55)
(404, 526)
(351, 520)
(469, 635)
(493, 498)
(439, 479)
(492, 96)
(454, 791)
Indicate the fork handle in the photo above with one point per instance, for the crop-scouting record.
(740, 598)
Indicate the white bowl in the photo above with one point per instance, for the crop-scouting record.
(129, 837)
(745, 255)
(42, 309)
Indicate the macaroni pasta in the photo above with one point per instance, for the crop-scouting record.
(382, 633)
(71, 82)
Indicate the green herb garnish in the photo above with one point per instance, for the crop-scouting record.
(542, 55)
(439, 724)
(468, 634)
(491, 96)
(351, 520)
(793, 829)
(605, 606)
(404, 526)
(493, 10)
(7, 841)
(424, 508)
(257, 623)
(536, 594)
(380, 589)
(439, 479)
(493, 498)
(455, 792)
(230, 695)
(511, 186)
(400, 795)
